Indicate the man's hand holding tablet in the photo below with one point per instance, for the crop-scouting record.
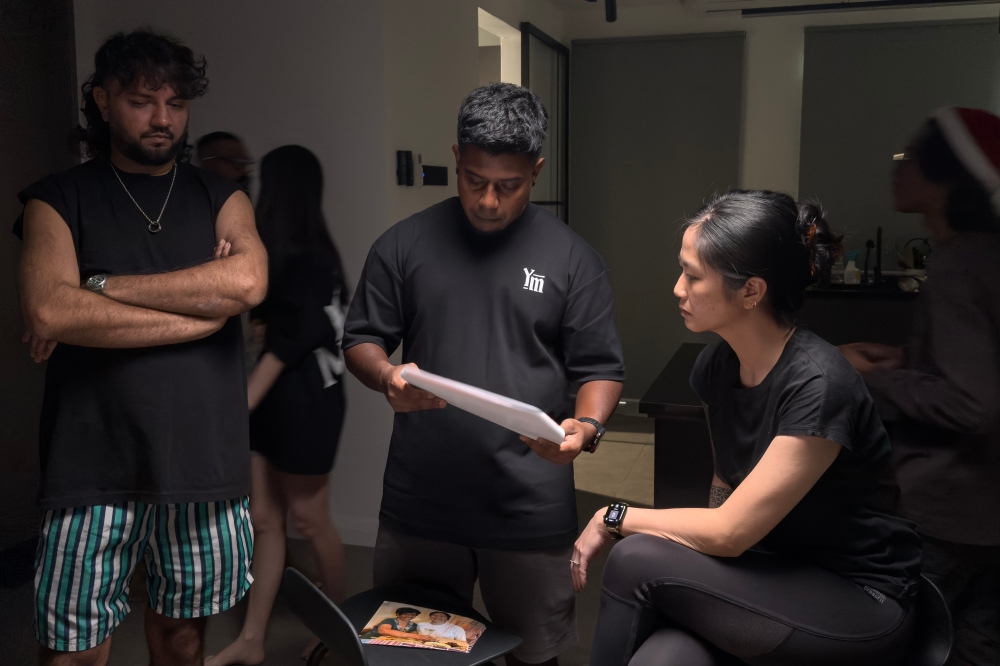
(403, 396)
(578, 436)
(520, 417)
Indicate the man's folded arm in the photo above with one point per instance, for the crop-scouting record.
(56, 308)
(224, 287)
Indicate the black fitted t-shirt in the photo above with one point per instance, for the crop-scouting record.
(848, 522)
(159, 424)
(522, 312)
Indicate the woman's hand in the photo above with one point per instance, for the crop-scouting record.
(587, 547)
(262, 378)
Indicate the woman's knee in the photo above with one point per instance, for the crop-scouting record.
(671, 646)
(267, 517)
(308, 519)
(637, 559)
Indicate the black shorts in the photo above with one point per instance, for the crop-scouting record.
(297, 425)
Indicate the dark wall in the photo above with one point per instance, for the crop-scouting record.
(37, 114)
(866, 90)
(654, 129)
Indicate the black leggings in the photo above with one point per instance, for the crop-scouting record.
(664, 604)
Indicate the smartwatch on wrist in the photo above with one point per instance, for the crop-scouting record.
(590, 448)
(613, 519)
(95, 283)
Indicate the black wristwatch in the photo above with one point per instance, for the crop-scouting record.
(590, 448)
(613, 518)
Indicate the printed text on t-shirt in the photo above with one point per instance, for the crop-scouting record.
(533, 282)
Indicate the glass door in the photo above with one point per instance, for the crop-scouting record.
(545, 71)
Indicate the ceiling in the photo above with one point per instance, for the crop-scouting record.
(583, 4)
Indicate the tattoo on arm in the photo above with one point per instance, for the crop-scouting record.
(718, 496)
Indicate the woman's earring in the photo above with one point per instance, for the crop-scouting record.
(753, 305)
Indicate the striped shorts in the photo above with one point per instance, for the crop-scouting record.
(197, 562)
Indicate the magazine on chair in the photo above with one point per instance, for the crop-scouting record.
(407, 625)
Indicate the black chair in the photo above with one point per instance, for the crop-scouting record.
(934, 631)
(324, 619)
(337, 628)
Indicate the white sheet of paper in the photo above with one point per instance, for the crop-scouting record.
(522, 418)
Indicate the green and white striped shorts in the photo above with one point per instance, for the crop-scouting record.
(197, 562)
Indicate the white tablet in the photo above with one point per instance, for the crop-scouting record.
(522, 418)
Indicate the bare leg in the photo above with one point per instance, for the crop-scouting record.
(174, 642)
(267, 507)
(95, 656)
(308, 498)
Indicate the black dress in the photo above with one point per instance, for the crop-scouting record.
(297, 424)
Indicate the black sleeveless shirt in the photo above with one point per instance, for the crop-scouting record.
(162, 424)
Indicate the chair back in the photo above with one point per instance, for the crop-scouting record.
(324, 619)
(935, 634)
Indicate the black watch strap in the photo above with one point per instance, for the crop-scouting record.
(590, 448)
(613, 519)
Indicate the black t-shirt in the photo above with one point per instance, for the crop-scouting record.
(848, 522)
(521, 312)
(305, 306)
(157, 424)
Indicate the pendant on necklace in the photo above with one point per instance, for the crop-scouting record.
(155, 226)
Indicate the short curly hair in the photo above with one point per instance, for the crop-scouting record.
(141, 54)
(502, 118)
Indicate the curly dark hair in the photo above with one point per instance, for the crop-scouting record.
(141, 54)
(501, 118)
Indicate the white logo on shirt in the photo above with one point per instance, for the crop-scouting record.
(533, 282)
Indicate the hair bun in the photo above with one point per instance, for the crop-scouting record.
(825, 247)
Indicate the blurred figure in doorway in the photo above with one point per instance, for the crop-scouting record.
(946, 384)
(296, 396)
(225, 154)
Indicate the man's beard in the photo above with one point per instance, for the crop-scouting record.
(135, 151)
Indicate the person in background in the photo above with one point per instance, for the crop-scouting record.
(225, 154)
(295, 391)
(144, 426)
(800, 557)
(944, 388)
(490, 290)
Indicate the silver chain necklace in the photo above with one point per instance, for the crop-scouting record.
(154, 225)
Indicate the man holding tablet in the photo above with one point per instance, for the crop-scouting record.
(493, 291)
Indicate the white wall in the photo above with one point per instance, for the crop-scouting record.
(431, 65)
(353, 82)
(773, 76)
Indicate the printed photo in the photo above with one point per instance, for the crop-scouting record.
(406, 625)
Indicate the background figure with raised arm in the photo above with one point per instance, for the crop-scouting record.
(493, 291)
(296, 395)
(225, 154)
(942, 391)
(134, 268)
(801, 557)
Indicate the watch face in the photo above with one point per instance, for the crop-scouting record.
(614, 514)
